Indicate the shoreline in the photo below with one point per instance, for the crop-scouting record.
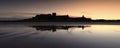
(59, 23)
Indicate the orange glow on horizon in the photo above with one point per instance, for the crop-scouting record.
(95, 9)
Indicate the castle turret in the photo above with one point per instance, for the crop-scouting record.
(53, 14)
(83, 16)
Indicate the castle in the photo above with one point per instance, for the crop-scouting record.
(54, 17)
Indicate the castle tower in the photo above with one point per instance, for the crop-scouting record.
(83, 16)
(53, 14)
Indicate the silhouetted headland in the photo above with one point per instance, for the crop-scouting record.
(60, 18)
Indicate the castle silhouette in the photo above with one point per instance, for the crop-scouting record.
(59, 18)
(56, 18)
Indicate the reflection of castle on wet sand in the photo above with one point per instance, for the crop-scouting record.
(54, 28)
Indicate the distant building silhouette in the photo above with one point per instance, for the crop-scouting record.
(54, 17)
(59, 18)
(53, 14)
(83, 16)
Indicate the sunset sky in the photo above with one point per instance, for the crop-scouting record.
(95, 9)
